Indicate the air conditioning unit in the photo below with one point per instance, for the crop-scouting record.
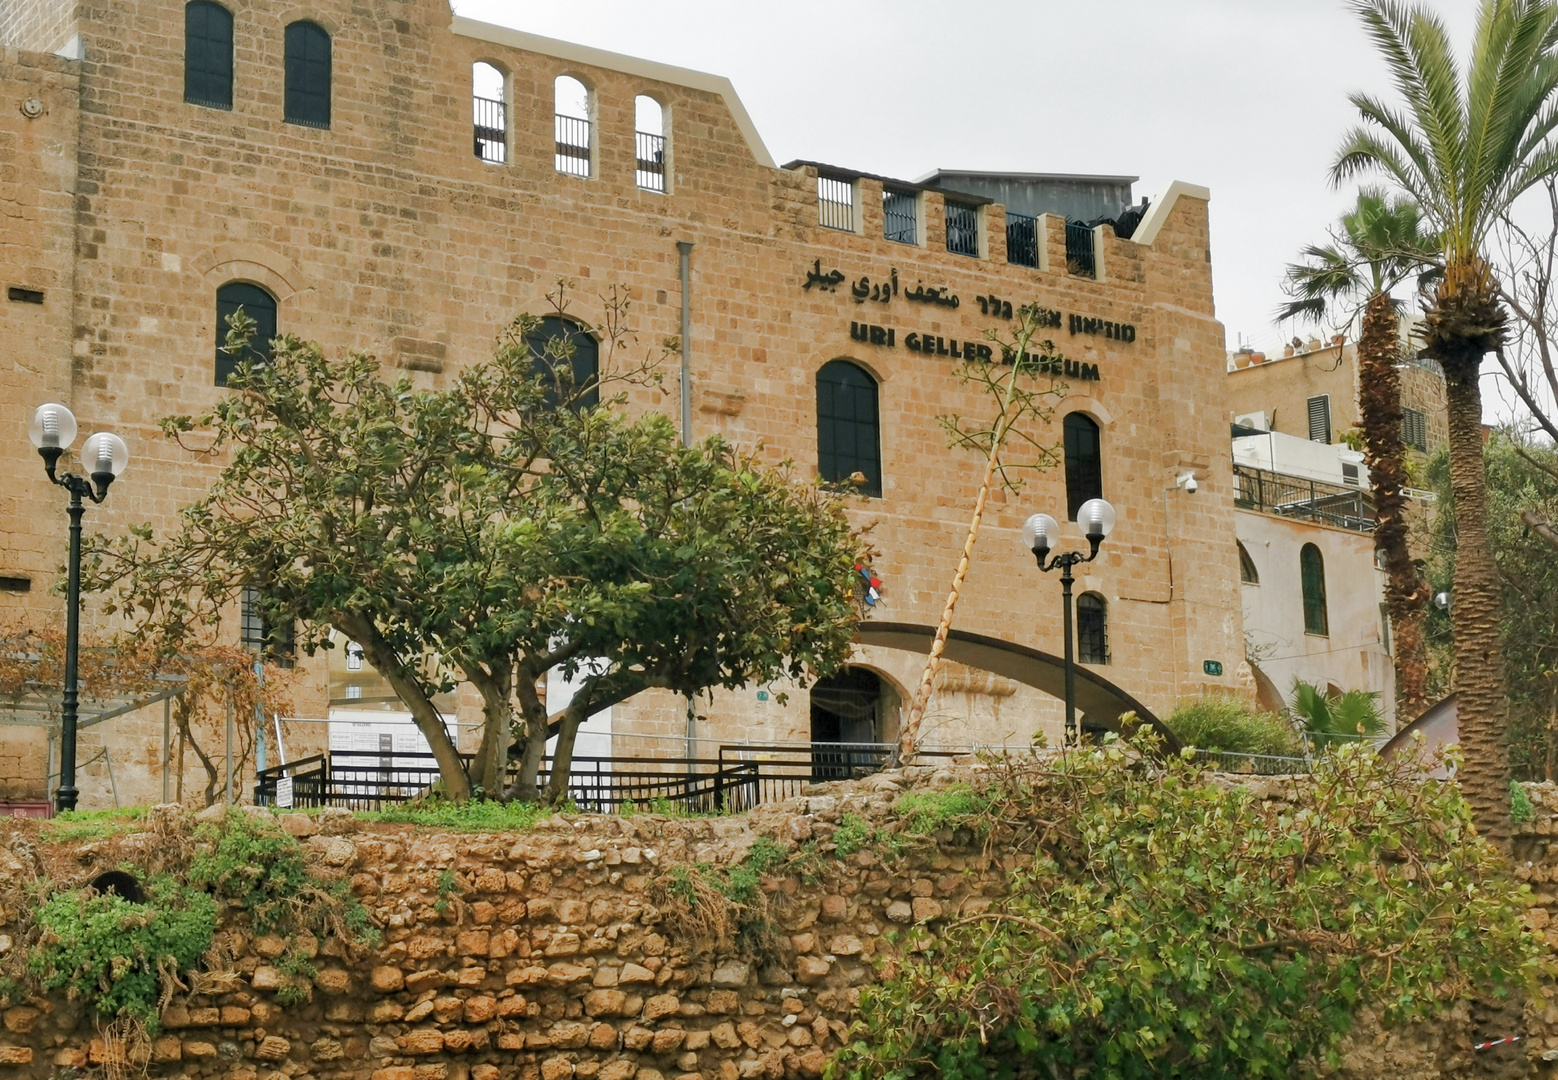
(1254, 420)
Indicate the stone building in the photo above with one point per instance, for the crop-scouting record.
(390, 177)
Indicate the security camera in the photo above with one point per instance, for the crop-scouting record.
(1188, 482)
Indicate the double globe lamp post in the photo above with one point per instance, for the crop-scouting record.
(1040, 534)
(103, 456)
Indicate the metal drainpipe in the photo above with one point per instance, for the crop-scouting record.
(684, 250)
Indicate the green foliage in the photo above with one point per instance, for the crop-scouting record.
(922, 813)
(1347, 718)
(477, 815)
(854, 832)
(1163, 925)
(81, 826)
(765, 855)
(254, 864)
(1528, 576)
(112, 954)
(1520, 808)
(1227, 723)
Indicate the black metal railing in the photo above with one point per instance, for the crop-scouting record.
(491, 129)
(573, 145)
(962, 229)
(1309, 500)
(739, 778)
(835, 203)
(1022, 239)
(1080, 258)
(649, 165)
(900, 217)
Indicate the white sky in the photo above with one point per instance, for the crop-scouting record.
(1248, 97)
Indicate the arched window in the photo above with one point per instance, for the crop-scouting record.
(1092, 629)
(307, 67)
(260, 306)
(262, 630)
(1247, 572)
(573, 126)
(1312, 571)
(491, 113)
(567, 361)
(649, 143)
(848, 431)
(1084, 462)
(208, 55)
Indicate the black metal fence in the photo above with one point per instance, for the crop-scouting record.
(1080, 257)
(573, 145)
(739, 778)
(962, 228)
(1022, 239)
(836, 203)
(491, 129)
(900, 217)
(649, 166)
(1337, 505)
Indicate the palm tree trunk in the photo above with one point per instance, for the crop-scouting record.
(1379, 405)
(1464, 323)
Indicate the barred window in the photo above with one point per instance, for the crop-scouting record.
(1084, 462)
(275, 639)
(489, 112)
(848, 427)
(1312, 571)
(649, 143)
(1092, 629)
(836, 203)
(258, 305)
(962, 228)
(208, 55)
(573, 107)
(307, 67)
(900, 216)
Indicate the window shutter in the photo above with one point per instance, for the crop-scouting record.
(1414, 429)
(1320, 419)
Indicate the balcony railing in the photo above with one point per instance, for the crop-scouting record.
(1080, 258)
(650, 164)
(573, 146)
(491, 130)
(1022, 239)
(1307, 500)
(962, 229)
(835, 203)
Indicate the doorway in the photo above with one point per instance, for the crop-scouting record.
(846, 709)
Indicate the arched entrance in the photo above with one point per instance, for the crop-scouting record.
(846, 710)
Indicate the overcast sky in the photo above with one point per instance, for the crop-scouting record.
(1248, 97)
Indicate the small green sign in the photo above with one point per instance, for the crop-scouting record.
(1212, 667)
(762, 695)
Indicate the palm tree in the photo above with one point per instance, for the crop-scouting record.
(1380, 244)
(1464, 148)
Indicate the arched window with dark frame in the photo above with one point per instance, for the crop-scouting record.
(208, 55)
(1247, 572)
(567, 361)
(1084, 462)
(1311, 566)
(307, 70)
(848, 426)
(258, 305)
(1092, 629)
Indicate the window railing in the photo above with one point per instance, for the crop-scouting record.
(1308, 500)
(1080, 259)
(900, 217)
(1022, 239)
(573, 145)
(649, 165)
(836, 203)
(491, 129)
(962, 229)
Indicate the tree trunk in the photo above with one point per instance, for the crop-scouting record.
(1461, 326)
(495, 684)
(562, 755)
(1379, 401)
(525, 787)
(379, 653)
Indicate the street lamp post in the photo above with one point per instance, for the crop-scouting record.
(1039, 535)
(104, 457)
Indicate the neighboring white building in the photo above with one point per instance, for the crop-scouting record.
(1313, 593)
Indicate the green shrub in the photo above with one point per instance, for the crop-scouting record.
(477, 815)
(111, 953)
(1520, 808)
(253, 863)
(1228, 723)
(854, 832)
(926, 812)
(1160, 925)
(1346, 718)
